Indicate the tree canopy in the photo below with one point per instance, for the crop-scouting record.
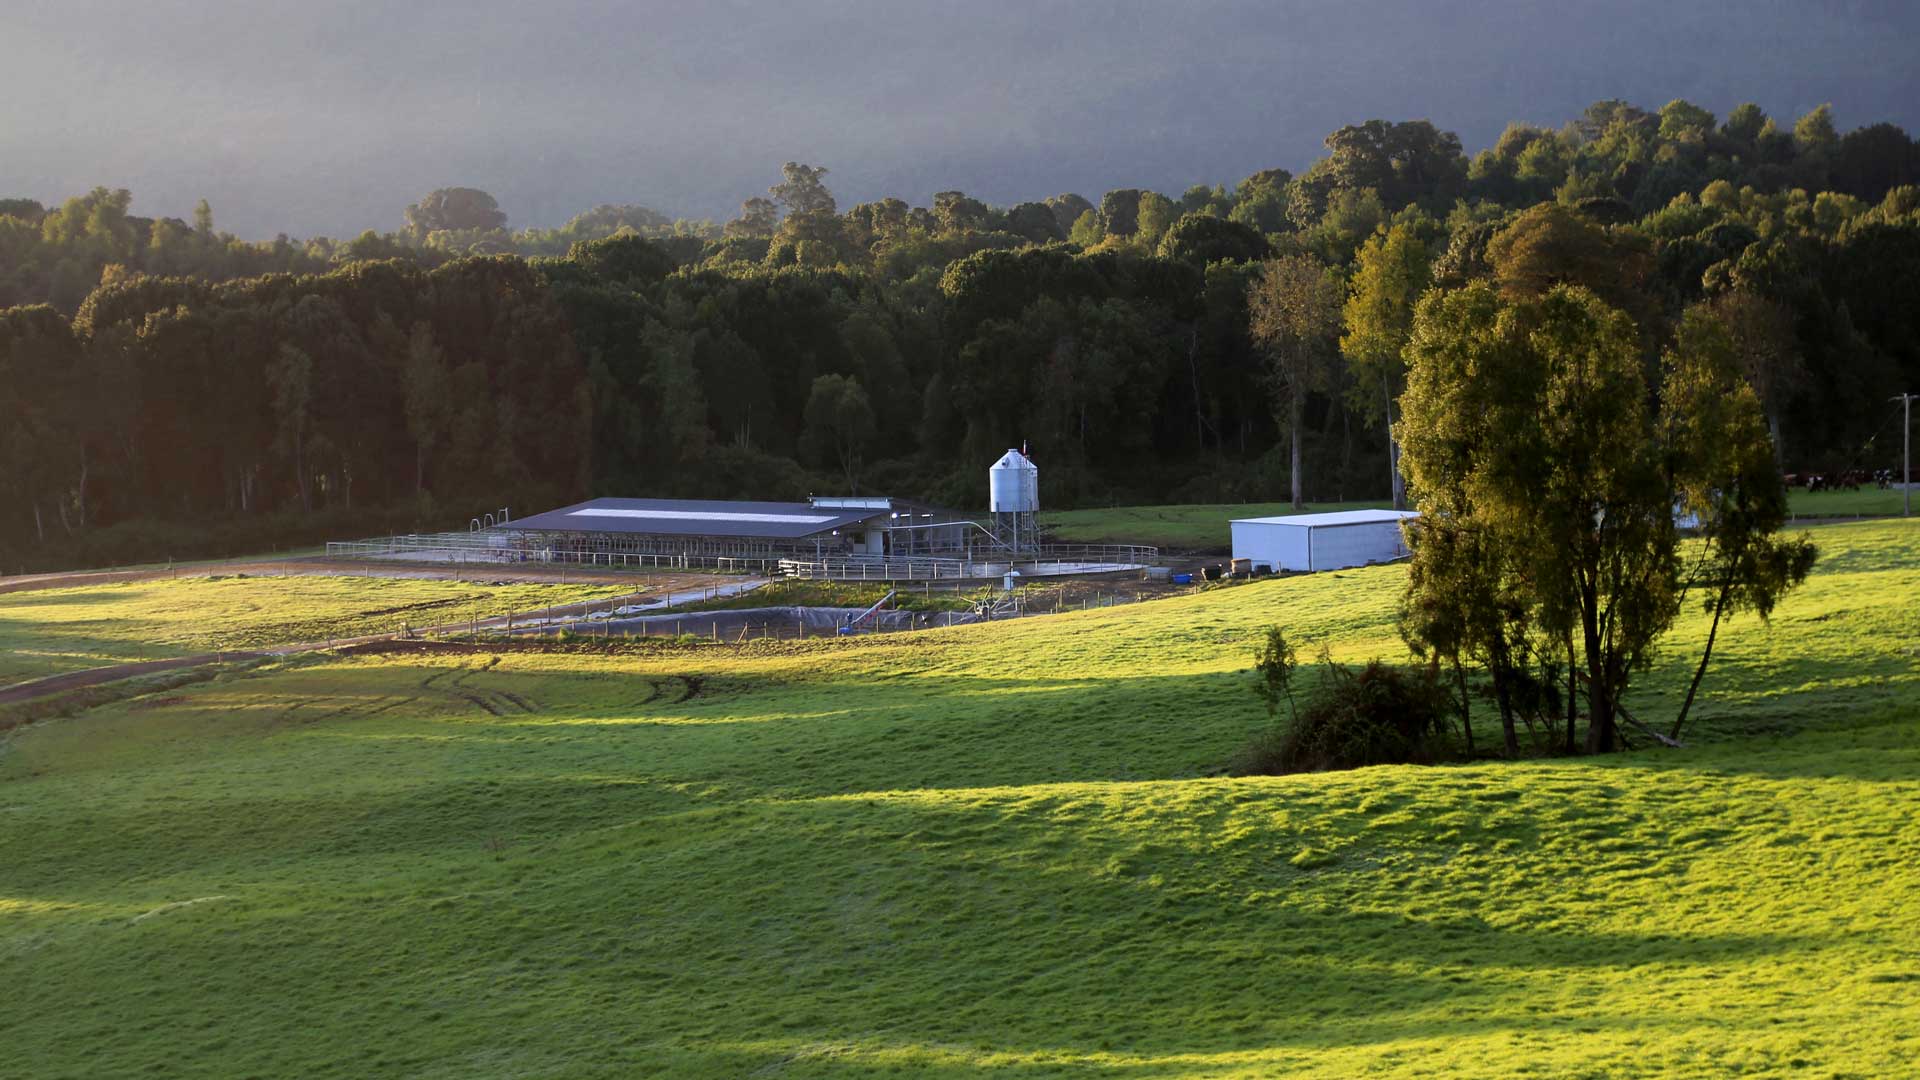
(407, 372)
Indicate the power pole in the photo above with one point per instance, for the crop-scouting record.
(1906, 453)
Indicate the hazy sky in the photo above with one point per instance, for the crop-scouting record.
(329, 116)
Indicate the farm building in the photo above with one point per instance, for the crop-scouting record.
(823, 527)
(859, 537)
(1333, 541)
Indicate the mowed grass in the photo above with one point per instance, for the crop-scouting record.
(1203, 526)
(50, 631)
(1866, 502)
(1002, 847)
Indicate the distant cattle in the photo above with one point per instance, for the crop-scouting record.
(1846, 480)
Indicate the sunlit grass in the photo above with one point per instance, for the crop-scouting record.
(46, 632)
(1001, 847)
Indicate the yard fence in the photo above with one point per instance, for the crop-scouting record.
(476, 547)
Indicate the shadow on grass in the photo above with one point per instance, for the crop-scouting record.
(880, 926)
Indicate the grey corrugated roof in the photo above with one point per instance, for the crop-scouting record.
(1332, 517)
(694, 517)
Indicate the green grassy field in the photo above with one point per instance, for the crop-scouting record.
(1002, 847)
(1867, 502)
(1204, 526)
(49, 631)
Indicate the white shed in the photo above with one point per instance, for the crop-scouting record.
(1305, 542)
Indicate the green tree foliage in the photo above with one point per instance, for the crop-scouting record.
(426, 384)
(1156, 215)
(1120, 212)
(1391, 271)
(27, 210)
(802, 189)
(625, 352)
(1201, 239)
(1815, 132)
(1550, 482)
(957, 212)
(1744, 124)
(1550, 245)
(1683, 121)
(758, 218)
(455, 210)
(1275, 666)
(1294, 313)
(1399, 162)
(1260, 201)
(1036, 223)
(1067, 209)
(1087, 231)
(1714, 430)
(840, 424)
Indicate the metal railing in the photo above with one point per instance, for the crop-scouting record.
(469, 547)
(479, 548)
(877, 569)
(1093, 553)
(989, 565)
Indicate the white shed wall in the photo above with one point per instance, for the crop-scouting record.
(1276, 547)
(1336, 547)
(1300, 548)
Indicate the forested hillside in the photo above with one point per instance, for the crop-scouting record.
(169, 390)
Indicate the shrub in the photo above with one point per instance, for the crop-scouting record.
(1275, 666)
(1379, 715)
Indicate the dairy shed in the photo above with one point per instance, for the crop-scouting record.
(1333, 541)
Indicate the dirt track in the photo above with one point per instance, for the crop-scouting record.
(79, 680)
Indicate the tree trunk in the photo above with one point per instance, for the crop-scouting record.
(300, 469)
(1466, 708)
(1779, 448)
(1503, 696)
(1706, 654)
(39, 526)
(1346, 453)
(1193, 373)
(1395, 485)
(1573, 695)
(1295, 410)
(1599, 688)
(80, 492)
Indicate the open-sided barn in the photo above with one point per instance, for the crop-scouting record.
(1332, 541)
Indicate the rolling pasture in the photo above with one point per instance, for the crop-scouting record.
(1003, 846)
(50, 631)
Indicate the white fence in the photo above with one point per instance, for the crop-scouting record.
(1049, 558)
(480, 548)
(878, 569)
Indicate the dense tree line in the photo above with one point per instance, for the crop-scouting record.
(1222, 344)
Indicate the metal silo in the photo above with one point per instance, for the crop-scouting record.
(1013, 496)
